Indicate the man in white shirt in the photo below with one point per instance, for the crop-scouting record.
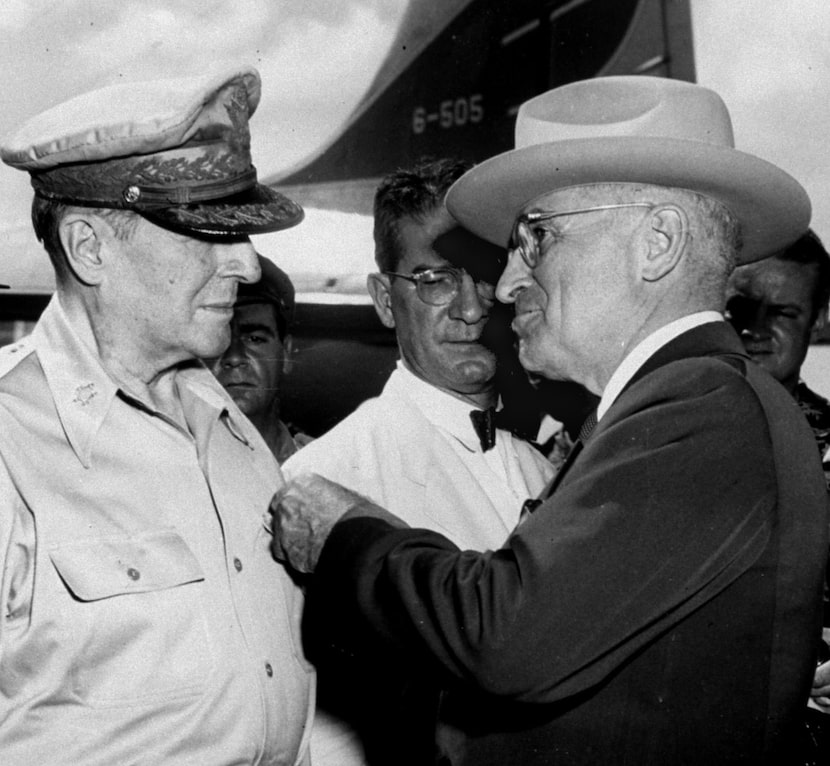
(415, 449)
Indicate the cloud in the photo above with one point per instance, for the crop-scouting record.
(771, 65)
(335, 14)
(306, 98)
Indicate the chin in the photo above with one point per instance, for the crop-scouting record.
(213, 345)
(475, 377)
(244, 406)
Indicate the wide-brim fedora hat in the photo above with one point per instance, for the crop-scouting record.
(176, 151)
(632, 129)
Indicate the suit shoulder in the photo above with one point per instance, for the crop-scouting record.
(700, 376)
(705, 396)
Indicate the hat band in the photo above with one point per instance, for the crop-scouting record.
(137, 196)
(201, 171)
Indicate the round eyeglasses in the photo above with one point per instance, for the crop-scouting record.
(437, 287)
(527, 240)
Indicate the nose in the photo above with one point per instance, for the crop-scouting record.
(234, 356)
(240, 261)
(468, 305)
(515, 278)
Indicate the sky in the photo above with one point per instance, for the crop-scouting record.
(317, 57)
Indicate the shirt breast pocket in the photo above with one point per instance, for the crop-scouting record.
(134, 609)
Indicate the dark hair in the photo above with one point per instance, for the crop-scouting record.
(808, 250)
(410, 193)
(46, 217)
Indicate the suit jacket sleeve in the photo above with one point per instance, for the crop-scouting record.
(671, 500)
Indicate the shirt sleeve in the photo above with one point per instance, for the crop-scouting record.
(669, 502)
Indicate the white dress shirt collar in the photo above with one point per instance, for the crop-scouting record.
(646, 349)
(440, 408)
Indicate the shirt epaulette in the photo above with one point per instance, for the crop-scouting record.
(13, 354)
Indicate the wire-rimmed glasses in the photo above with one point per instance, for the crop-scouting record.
(524, 239)
(438, 286)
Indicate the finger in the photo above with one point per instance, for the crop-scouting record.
(278, 496)
(296, 555)
(277, 549)
(282, 522)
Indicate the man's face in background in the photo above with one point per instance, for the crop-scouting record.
(252, 368)
(771, 303)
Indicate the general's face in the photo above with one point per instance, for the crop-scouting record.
(580, 290)
(440, 344)
(252, 367)
(770, 304)
(174, 295)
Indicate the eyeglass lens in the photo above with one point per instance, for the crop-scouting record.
(524, 240)
(440, 287)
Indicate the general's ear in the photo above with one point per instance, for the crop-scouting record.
(81, 237)
(666, 241)
(379, 288)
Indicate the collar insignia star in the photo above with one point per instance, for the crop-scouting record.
(85, 394)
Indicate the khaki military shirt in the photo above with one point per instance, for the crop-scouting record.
(144, 620)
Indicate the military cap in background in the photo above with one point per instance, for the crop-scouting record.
(274, 286)
(176, 151)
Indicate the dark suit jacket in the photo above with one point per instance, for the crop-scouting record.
(661, 607)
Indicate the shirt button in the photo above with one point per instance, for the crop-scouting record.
(133, 574)
(269, 671)
(237, 565)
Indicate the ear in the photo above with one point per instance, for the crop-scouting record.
(288, 354)
(379, 288)
(666, 242)
(819, 324)
(81, 236)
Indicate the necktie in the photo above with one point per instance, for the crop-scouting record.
(588, 426)
(484, 422)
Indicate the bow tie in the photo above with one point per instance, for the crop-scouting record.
(484, 422)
